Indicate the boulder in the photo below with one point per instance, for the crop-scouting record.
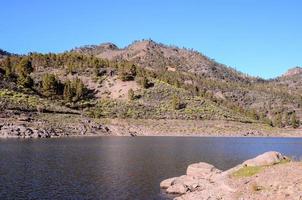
(202, 170)
(177, 189)
(167, 183)
(268, 158)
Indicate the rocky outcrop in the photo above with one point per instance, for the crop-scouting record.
(204, 181)
(268, 158)
(293, 72)
(28, 128)
(22, 131)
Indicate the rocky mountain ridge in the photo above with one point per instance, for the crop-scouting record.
(157, 56)
(147, 80)
(293, 72)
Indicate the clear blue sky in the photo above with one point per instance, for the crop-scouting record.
(258, 37)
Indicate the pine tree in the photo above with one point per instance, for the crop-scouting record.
(8, 67)
(127, 72)
(294, 121)
(176, 104)
(24, 68)
(25, 81)
(68, 92)
(131, 95)
(80, 89)
(278, 120)
(50, 85)
(286, 120)
(74, 90)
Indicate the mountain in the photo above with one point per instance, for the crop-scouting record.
(157, 56)
(146, 80)
(223, 82)
(291, 80)
(269, 97)
(293, 72)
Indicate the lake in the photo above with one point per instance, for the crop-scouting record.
(117, 167)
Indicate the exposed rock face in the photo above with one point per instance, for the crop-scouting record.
(268, 158)
(202, 170)
(294, 71)
(11, 130)
(204, 181)
(154, 55)
(28, 130)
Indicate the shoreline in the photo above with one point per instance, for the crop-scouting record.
(247, 180)
(67, 125)
(167, 136)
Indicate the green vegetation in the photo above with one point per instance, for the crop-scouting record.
(131, 95)
(127, 71)
(176, 104)
(23, 70)
(294, 121)
(51, 85)
(74, 90)
(29, 102)
(163, 93)
(278, 120)
(144, 82)
(247, 171)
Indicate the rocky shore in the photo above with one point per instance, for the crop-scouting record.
(46, 125)
(269, 176)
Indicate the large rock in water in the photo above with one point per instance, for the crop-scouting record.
(204, 181)
(198, 175)
(202, 170)
(177, 189)
(167, 183)
(268, 158)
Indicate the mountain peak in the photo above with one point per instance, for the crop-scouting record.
(4, 53)
(293, 71)
(108, 45)
(96, 49)
(142, 44)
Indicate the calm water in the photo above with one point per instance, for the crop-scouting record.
(117, 167)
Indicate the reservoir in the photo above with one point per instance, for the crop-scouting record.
(118, 167)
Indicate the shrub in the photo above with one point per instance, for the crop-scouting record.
(144, 82)
(294, 121)
(25, 81)
(131, 95)
(176, 104)
(74, 90)
(127, 71)
(24, 68)
(50, 85)
(278, 120)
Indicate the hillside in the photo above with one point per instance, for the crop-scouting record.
(280, 96)
(157, 56)
(146, 81)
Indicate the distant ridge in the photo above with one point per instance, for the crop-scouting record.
(157, 56)
(4, 53)
(293, 72)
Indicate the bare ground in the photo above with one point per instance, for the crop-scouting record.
(76, 124)
(162, 127)
(276, 182)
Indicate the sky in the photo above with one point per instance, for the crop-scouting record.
(258, 37)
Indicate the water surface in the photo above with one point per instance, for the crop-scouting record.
(117, 167)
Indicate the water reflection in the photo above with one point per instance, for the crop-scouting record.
(117, 167)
